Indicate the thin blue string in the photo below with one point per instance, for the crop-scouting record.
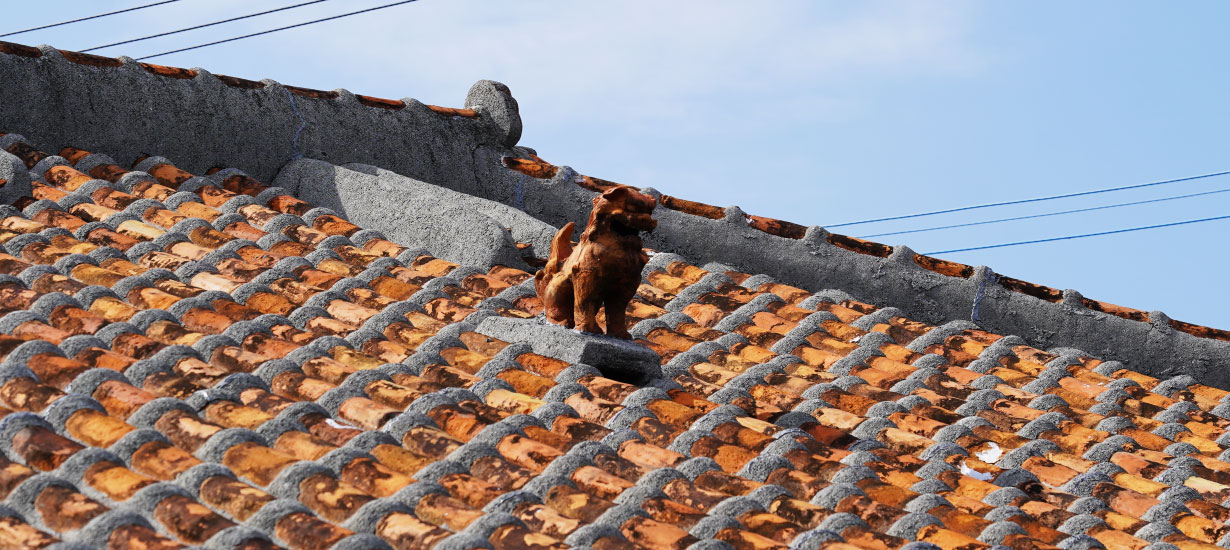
(973, 314)
(294, 145)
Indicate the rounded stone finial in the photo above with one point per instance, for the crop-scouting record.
(495, 102)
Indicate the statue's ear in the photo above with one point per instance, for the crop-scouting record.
(616, 193)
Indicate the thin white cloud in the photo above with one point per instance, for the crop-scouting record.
(679, 86)
(634, 62)
(645, 60)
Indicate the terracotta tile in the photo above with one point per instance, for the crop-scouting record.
(66, 177)
(1116, 539)
(39, 191)
(256, 463)
(162, 461)
(56, 283)
(575, 504)
(185, 430)
(96, 429)
(63, 509)
(42, 448)
(232, 414)
(170, 385)
(408, 531)
(139, 536)
(513, 402)
(12, 474)
(56, 218)
(527, 453)
(365, 413)
(24, 394)
(114, 480)
(1209, 510)
(333, 500)
(304, 531)
(446, 512)
(188, 520)
(54, 370)
(400, 459)
(235, 498)
(107, 359)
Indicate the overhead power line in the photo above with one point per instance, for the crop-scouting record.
(1047, 214)
(1025, 201)
(270, 31)
(186, 29)
(1070, 237)
(89, 18)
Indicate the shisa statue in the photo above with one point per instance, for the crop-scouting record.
(604, 270)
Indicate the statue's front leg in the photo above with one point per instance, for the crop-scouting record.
(617, 320)
(588, 300)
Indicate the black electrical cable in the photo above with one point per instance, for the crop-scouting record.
(1047, 214)
(1024, 201)
(89, 18)
(278, 29)
(1070, 237)
(186, 29)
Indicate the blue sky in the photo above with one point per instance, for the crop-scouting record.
(817, 112)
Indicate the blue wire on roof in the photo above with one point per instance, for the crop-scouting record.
(294, 144)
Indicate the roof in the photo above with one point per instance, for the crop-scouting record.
(195, 357)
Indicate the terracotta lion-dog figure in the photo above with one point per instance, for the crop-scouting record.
(604, 269)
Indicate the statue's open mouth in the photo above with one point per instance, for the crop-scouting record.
(631, 224)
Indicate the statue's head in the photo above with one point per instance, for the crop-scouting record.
(625, 210)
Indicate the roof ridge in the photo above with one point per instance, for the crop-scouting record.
(538, 168)
(93, 60)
